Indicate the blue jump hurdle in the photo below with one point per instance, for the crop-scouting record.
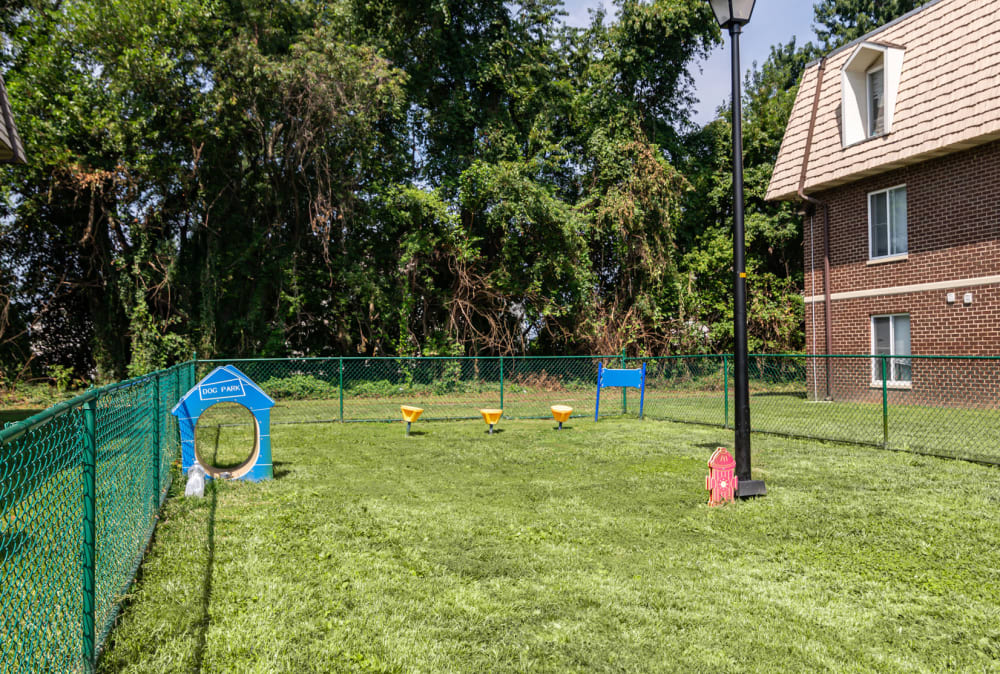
(608, 377)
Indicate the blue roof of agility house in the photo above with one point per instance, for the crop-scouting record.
(223, 384)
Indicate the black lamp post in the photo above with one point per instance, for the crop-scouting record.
(733, 14)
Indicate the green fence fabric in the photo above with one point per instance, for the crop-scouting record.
(80, 486)
(312, 390)
(41, 529)
(81, 483)
(937, 405)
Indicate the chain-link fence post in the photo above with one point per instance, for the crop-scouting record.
(501, 382)
(89, 552)
(725, 390)
(885, 406)
(157, 442)
(340, 388)
(624, 388)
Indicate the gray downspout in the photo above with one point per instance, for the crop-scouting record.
(827, 310)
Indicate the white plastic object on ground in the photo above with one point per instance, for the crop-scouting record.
(196, 482)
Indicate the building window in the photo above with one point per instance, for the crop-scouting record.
(869, 87)
(887, 222)
(891, 337)
(876, 102)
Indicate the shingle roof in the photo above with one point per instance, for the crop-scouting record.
(11, 149)
(949, 99)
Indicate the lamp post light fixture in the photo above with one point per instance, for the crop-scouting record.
(731, 13)
(734, 14)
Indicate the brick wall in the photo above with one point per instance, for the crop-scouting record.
(953, 231)
(936, 328)
(953, 225)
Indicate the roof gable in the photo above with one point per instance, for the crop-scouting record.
(223, 384)
(947, 99)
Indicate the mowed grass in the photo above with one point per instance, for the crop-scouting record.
(947, 431)
(590, 549)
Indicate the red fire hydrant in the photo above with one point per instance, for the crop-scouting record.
(721, 481)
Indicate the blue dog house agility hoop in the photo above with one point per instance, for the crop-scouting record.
(619, 378)
(226, 384)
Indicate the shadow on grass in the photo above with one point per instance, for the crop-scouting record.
(779, 394)
(279, 471)
(206, 582)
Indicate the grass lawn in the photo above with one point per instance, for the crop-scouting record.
(946, 431)
(588, 549)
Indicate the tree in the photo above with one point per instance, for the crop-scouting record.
(191, 191)
(840, 21)
(774, 231)
(261, 177)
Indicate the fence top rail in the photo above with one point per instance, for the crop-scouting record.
(680, 356)
(398, 358)
(596, 356)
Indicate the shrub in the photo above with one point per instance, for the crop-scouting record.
(375, 388)
(62, 376)
(300, 387)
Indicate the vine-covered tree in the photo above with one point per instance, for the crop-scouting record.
(284, 177)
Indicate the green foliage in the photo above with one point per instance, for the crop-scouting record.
(774, 230)
(375, 388)
(841, 21)
(62, 376)
(527, 265)
(652, 46)
(300, 387)
(382, 177)
(21, 399)
(448, 382)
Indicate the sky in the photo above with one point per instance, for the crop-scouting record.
(773, 22)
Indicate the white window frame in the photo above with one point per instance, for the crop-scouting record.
(871, 132)
(891, 362)
(855, 92)
(888, 228)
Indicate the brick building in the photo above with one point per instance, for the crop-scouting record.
(893, 147)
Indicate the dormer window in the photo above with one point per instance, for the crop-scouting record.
(869, 85)
(876, 101)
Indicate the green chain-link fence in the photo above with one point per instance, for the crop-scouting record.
(80, 486)
(80, 483)
(939, 405)
(311, 390)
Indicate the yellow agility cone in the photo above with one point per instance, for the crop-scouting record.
(410, 414)
(561, 413)
(491, 417)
